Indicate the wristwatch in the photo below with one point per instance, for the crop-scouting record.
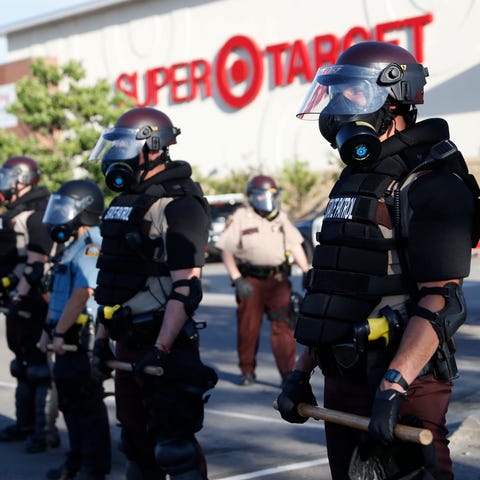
(394, 376)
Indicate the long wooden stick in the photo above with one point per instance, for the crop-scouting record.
(116, 364)
(127, 367)
(422, 436)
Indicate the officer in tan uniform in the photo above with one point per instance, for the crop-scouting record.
(256, 248)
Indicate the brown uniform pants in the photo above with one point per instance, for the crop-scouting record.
(427, 400)
(131, 397)
(272, 297)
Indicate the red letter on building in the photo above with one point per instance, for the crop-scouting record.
(200, 74)
(325, 50)
(127, 83)
(184, 81)
(276, 52)
(415, 23)
(153, 86)
(299, 63)
(355, 35)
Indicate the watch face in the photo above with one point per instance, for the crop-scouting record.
(393, 376)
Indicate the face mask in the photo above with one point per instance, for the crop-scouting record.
(119, 176)
(356, 136)
(62, 233)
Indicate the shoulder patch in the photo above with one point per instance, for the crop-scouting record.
(91, 250)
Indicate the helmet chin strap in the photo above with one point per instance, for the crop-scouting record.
(151, 164)
(268, 215)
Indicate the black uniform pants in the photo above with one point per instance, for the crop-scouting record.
(427, 399)
(81, 402)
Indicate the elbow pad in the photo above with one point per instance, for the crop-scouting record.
(194, 297)
(448, 320)
(34, 278)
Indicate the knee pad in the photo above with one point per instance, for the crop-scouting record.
(17, 369)
(177, 455)
(39, 374)
(140, 456)
(134, 471)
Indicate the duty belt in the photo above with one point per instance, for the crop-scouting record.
(260, 271)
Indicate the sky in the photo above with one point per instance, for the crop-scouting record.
(21, 10)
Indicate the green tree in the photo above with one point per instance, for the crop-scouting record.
(62, 117)
(297, 181)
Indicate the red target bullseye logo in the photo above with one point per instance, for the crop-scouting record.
(240, 71)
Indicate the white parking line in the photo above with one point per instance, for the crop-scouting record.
(273, 471)
(257, 418)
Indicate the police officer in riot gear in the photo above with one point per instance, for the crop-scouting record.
(154, 236)
(395, 245)
(73, 215)
(256, 248)
(25, 246)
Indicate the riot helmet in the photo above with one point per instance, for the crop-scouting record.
(356, 99)
(18, 170)
(264, 196)
(76, 203)
(118, 148)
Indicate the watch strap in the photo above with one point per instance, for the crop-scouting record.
(394, 376)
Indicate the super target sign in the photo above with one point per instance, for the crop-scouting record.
(241, 67)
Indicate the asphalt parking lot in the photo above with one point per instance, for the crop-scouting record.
(243, 437)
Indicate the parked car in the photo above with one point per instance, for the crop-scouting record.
(308, 227)
(221, 207)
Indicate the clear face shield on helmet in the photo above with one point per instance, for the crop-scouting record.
(8, 179)
(347, 101)
(119, 150)
(265, 201)
(343, 90)
(61, 213)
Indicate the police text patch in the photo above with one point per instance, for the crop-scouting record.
(340, 207)
(118, 213)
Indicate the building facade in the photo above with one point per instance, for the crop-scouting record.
(232, 73)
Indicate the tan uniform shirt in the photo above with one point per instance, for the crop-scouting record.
(256, 240)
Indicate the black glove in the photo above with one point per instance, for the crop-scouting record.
(100, 356)
(385, 415)
(18, 305)
(243, 289)
(296, 389)
(305, 278)
(154, 357)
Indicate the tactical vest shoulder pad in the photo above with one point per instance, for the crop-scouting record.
(446, 155)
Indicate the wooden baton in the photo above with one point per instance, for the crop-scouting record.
(422, 436)
(116, 364)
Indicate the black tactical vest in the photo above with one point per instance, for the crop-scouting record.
(9, 255)
(361, 232)
(350, 265)
(128, 256)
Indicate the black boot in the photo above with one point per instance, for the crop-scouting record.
(63, 472)
(13, 433)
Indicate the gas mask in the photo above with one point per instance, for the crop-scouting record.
(353, 107)
(355, 136)
(119, 149)
(63, 233)
(265, 202)
(62, 215)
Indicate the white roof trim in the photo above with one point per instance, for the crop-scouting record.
(57, 15)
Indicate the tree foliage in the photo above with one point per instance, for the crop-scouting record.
(61, 118)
